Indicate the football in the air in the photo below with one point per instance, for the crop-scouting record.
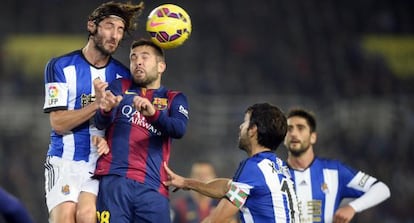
(169, 26)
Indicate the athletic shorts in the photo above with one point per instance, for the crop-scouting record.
(65, 179)
(122, 200)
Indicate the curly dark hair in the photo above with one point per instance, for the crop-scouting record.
(271, 124)
(127, 11)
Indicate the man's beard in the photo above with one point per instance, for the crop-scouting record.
(146, 81)
(243, 145)
(297, 153)
(99, 45)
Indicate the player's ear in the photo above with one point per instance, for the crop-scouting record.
(161, 66)
(91, 26)
(313, 137)
(252, 130)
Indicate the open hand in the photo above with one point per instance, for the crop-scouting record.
(101, 144)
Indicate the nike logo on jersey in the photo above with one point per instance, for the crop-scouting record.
(154, 24)
(130, 92)
(118, 76)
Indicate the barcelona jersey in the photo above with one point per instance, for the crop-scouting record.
(140, 145)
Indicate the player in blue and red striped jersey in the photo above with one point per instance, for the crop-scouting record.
(262, 189)
(141, 117)
(321, 184)
(69, 99)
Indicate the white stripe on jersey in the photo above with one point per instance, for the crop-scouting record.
(70, 75)
(271, 176)
(68, 146)
(330, 176)
(68, 139)
(95, 73)
(304, 191)
(248, 217)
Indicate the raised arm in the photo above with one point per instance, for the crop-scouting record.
(216, 188)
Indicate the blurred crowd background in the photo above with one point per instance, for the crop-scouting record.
(351, 62)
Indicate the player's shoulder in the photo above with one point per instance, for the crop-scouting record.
(116, 63)
(328, 162)
(65, 59)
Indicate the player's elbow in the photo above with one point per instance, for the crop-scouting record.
(387, 191)
(179, 131)
(59, 129)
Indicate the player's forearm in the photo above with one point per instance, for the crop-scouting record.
(216, 188)
(66, 120)
(375, 195)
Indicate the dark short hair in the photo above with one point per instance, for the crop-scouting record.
(145, 42)
(127, 11)
(307, 115)
(271, 124)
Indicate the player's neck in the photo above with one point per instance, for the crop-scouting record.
(255, 149)
(302, 161)
(94, 57)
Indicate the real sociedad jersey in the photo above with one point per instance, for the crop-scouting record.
(322, 186)
(68, 86)
(140, 145)
(263, 190)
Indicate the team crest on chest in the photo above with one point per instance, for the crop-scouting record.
(324, 188)
(65, 189)
(160, 103)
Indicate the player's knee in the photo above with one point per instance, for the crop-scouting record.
(86, 214)
(64, 212)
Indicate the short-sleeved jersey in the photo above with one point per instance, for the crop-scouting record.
(68, 86)
(140, 145)
(322, 186)
(263, 190)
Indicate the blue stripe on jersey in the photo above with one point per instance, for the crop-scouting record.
(50, 76)
(317, 184)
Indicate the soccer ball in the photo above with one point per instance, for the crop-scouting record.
(169, 26)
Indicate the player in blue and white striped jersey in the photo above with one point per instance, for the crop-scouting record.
(70, 102)
(262, 189)
(322, 184)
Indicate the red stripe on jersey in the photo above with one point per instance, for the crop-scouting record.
(104, 162)
(163, 173)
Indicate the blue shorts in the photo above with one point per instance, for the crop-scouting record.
(122, 200)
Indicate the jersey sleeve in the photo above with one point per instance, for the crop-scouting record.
(241, 185)
(56, 88)
(174, 122)
(355, 182)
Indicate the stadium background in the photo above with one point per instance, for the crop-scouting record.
(352, 62)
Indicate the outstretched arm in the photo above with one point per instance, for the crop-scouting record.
(63, 121)
(216, 188)
(378, 193)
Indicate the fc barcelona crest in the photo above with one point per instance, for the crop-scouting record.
(160, 103)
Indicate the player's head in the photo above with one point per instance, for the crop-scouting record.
(147, 63)
(266, 123)
(203, 170)
(127, 12)
(108, 23)
(301, 133)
